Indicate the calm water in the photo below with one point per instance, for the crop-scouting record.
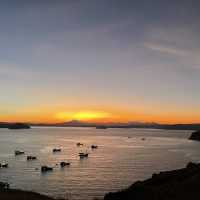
(117, 163)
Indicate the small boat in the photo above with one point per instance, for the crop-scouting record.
(4, 185)
(56, 150)
(143, 139)
(63, 164)
(46, 168)
(79, 144)
(31, 157)
(83, 155)
(17, 152)
(94, 146)
(4, 165)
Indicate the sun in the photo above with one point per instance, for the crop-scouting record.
(82, 115)
(89, 115)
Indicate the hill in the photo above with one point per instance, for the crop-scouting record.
(182, 184)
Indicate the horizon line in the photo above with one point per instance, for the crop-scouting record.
(100, 123)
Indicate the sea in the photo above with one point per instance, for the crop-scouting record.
(123, 156)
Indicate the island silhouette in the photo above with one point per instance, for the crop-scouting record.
(99, 125)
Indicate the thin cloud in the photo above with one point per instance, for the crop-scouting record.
(166, 49)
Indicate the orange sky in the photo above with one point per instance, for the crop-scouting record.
(76, 61)
(99, 115)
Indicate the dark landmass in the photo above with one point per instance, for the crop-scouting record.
(11, 194)
(182, 184)
(4, 125)
(195, 136)
(14, 125)
(101, 127)
(157, 126)
(75, 123)
(19, 126)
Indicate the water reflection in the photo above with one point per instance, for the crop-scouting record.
(121, 158)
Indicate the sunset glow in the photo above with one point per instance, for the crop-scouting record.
(83, 115)
(97, 94)
(77, 62)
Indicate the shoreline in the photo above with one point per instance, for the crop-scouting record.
(16, 194)
(79, 124)
(179, 184)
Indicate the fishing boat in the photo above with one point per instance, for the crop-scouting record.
(63, 164)
(46, 168)
(94, 146)
(31, 157)
(83, 155)
(79, 144)
(56, 150)
(4, 165)
(17, 152)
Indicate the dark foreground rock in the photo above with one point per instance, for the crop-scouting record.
(195, 136)
(11, 194)
(182, 184)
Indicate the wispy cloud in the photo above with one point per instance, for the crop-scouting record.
(166, 49)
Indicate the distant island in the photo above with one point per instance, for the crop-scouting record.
(181, 184)
(101, 127)
(76, 123)
(14, 125)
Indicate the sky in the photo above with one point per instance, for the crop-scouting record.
(100, 60)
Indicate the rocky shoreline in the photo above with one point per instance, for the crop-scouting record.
(195, 136)
(181, 184)
(12, 194)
